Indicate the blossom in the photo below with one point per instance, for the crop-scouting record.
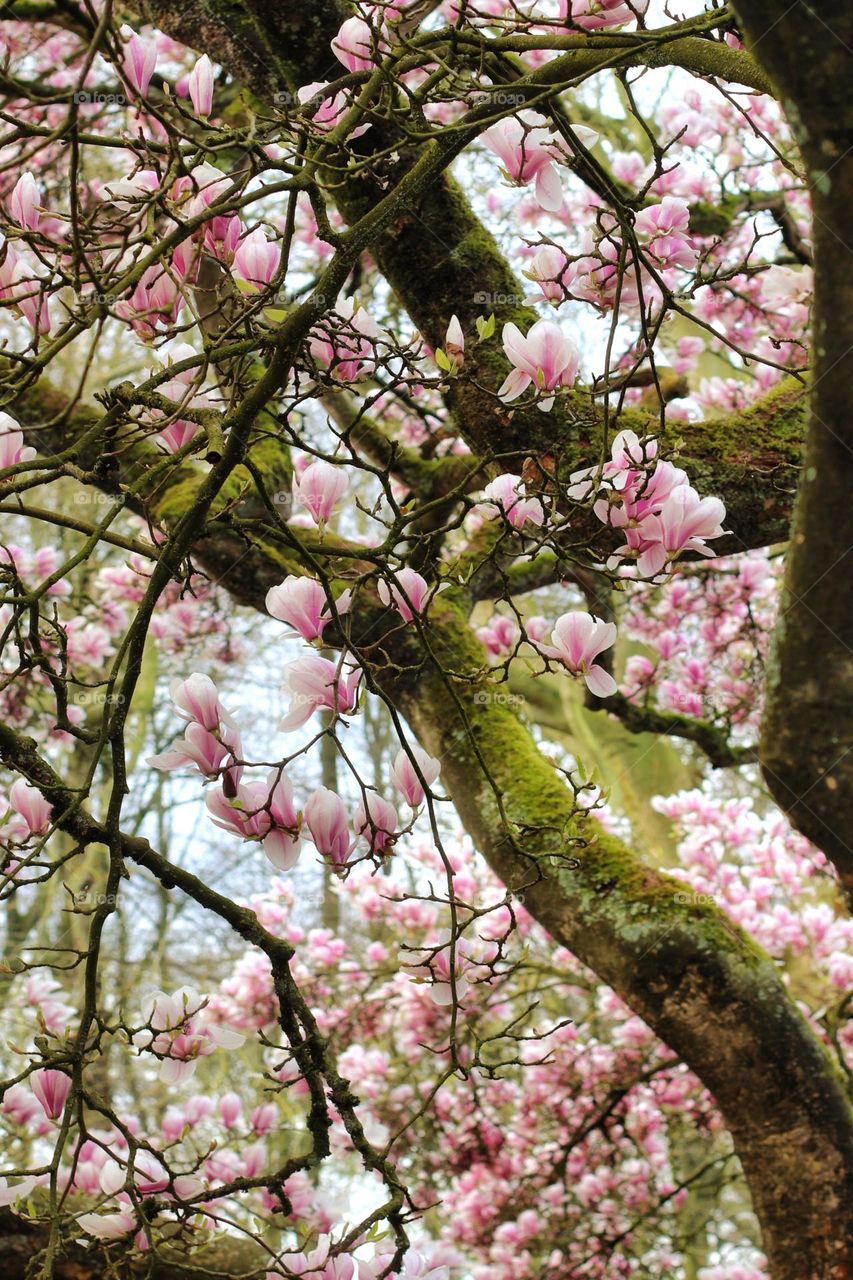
(344, 341)
(24, 202)
(353, 45)
(263, 811)
(319, 489)
(405, 777)
(197, 699)
(11, 1195)
(256, 259)
(140, 60)
(51, 1088)
(326, 110)
(546, 357)
(376, 821)
(454, 343)
(684, 523)
(409, 593)
(303, 604)
(326, 819)
(317, 682)
(12, 448)
(124, 193)
(202, 750)
(230, 1109)
(594, 15)
(29, 803)
(200, 86)
(666, 226)
(576, 641)
(107, 1226)
(550, 268)
(527, 150)
(507, 493)
(179, 1030)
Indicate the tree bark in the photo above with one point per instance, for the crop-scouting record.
(807, 738)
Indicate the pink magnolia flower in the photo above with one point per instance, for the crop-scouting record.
(507, 494)
(344, 341)
(150, 1175)
(11, 1195)
(546, 357)
(263, 811)
(197, 698)
(376, 821)
(200, 86)
(30, 804)
(202, 750)
(319, 489)
(499, 636)
(125, 193)
(405, 777)
(12, 447)
(201, 188)
(264, 1118)
(317, 682)
(24, 202)
(666, 226)
(230, 1109)
(527, 150)
(179, 1030)
(353, 45)
(140, 60)
(454, 343)
(409, 593)
(51, 1088)
(325, 110)
(23, 285)
(551, 270)
(302, 603)
(326, 819)
(684, 523)
(155, 300)
(536, 627)
(576, 641)
(107, 1226)
(594, 15)
(256, 259)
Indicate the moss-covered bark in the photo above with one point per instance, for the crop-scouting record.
(807, 736)
(711, 993)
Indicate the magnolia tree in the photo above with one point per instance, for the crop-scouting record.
(446, 372)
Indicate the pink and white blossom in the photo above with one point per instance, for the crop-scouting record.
(256, 259)
(303, 604)
(319, 490)
(326, 819)
(409, 593)
(315, 683)
(200, 86)
(405, 777)
(376, 822)
(51, 1088)
(140, 60)
(576, 641)
(545, 357)
(508, 495)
